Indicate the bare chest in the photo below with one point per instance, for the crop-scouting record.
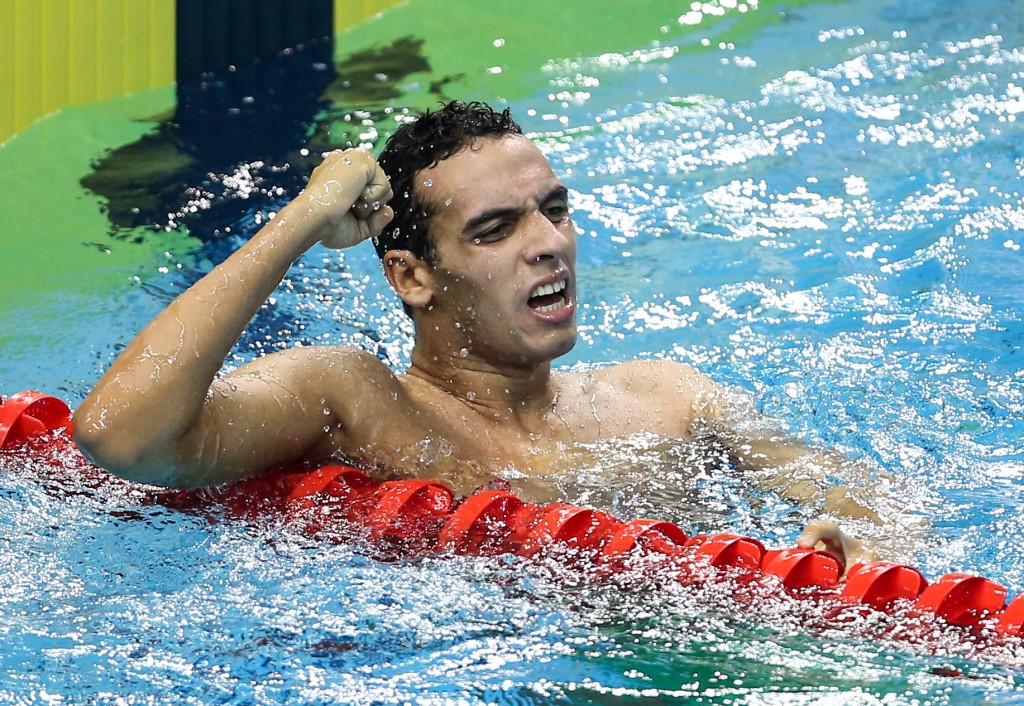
(449, 441)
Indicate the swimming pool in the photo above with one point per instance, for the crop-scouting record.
(819, 204)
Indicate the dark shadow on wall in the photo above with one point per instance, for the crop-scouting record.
(246, 139)
(211, 35)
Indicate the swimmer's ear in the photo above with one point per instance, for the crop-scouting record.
(410, 277)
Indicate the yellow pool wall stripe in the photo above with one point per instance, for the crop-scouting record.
(56, 53)
(350, 12)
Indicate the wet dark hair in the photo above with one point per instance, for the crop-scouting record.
(433, 137)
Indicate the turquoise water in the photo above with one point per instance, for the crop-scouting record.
(823, 210)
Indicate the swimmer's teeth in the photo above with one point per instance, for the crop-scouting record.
(551, 307)
(548, 289)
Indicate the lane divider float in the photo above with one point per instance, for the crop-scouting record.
(412, 517)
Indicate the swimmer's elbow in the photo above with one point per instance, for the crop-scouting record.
(117, 453)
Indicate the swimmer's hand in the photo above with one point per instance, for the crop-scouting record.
(347, 197)
(825, 535)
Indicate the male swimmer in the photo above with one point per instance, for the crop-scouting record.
(475, 236)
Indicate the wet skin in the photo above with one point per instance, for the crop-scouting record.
(480, 384)
(479, 398)
(501, 230)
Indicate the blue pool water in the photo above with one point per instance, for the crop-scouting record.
(823, 210)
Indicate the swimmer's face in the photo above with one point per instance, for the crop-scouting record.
(506, 251)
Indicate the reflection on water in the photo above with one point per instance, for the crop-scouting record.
(248, 138)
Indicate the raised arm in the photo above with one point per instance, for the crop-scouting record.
(158, 415)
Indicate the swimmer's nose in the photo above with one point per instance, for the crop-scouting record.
(546, 240)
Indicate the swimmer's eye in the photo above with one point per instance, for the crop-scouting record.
(491, 235)
(556, 212)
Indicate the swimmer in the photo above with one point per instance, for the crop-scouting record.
(474, 232)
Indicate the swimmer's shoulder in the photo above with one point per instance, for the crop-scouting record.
(340, 386)
(671, 393)
(649, 376)
(324, 368)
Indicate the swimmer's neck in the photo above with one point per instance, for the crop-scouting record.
(504, 394)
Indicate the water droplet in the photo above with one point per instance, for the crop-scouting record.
(470, 395)
(428, 182)
(463, 352)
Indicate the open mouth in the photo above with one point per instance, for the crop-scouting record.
(549, 297)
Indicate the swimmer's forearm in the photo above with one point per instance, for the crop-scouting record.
(792, 481)
(782, 464)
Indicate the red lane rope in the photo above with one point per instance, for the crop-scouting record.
(410, 517)
(27, 415)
